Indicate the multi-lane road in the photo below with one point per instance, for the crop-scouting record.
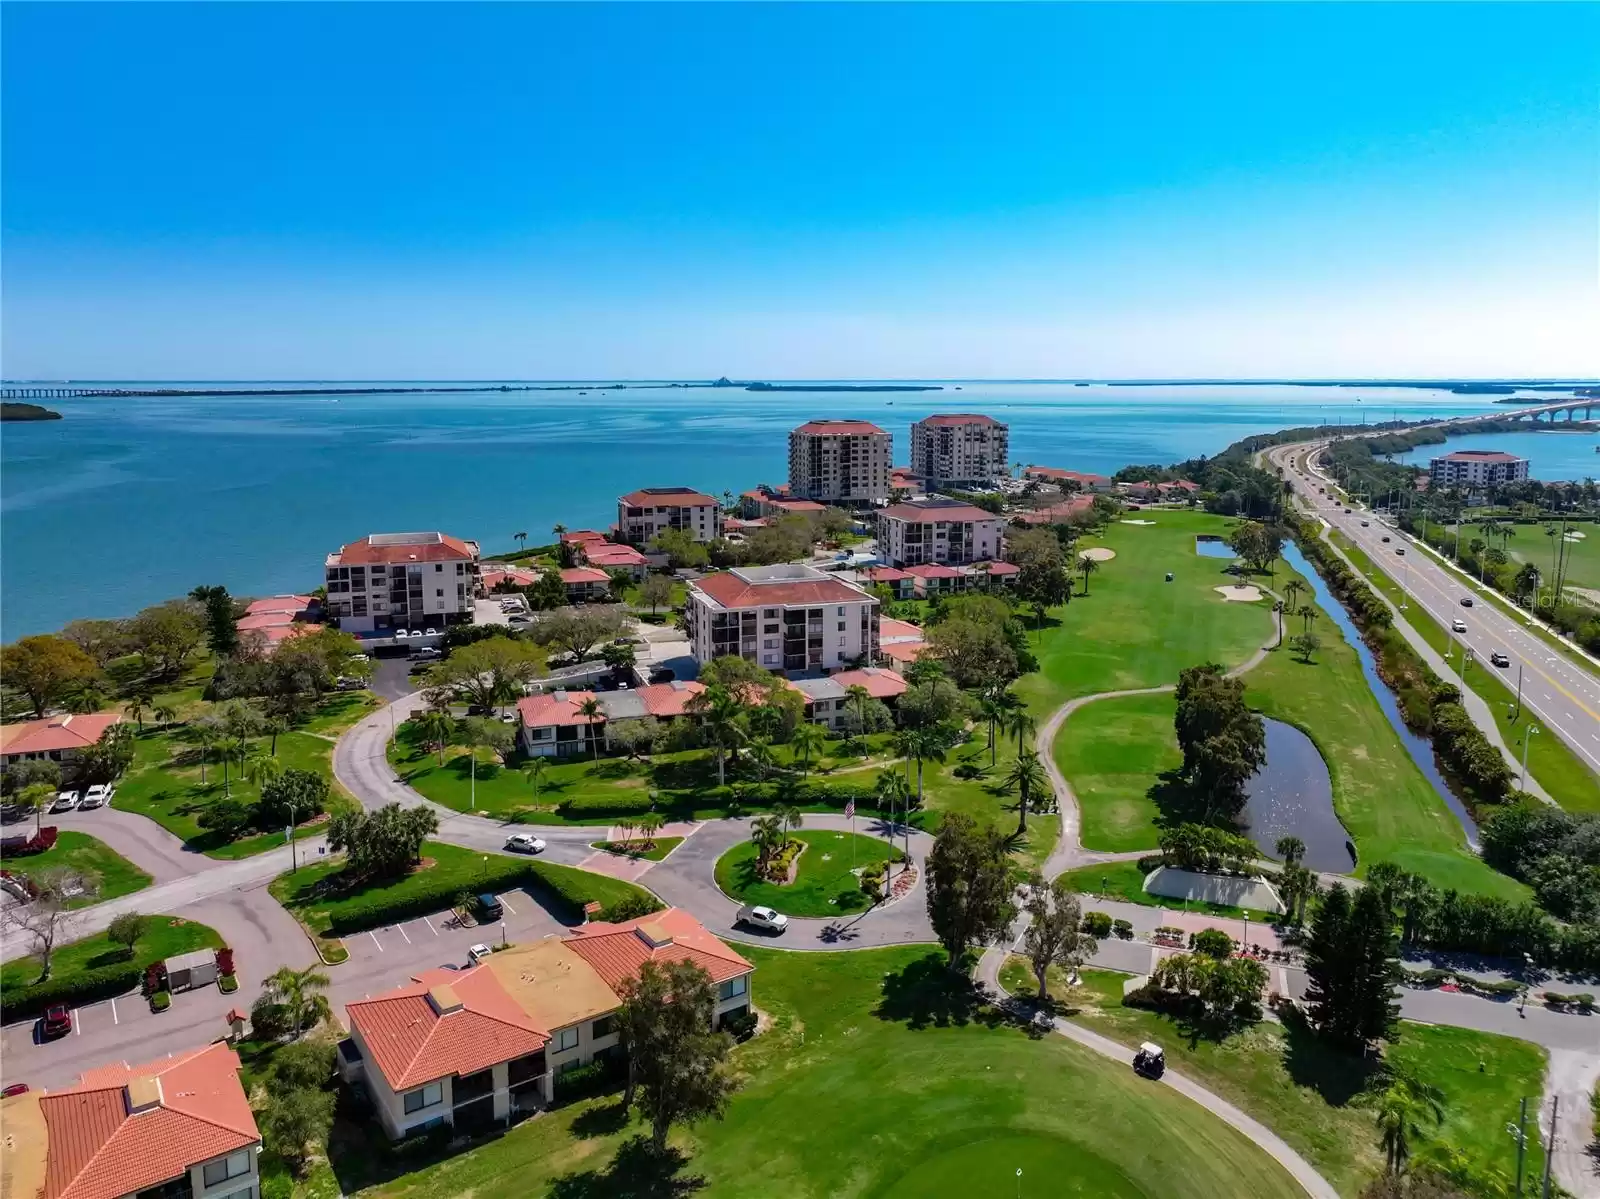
(1562, 695)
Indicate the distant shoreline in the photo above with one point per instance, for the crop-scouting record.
(11, 410)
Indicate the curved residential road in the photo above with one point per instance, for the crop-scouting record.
(1259, 1134)
(142, 841)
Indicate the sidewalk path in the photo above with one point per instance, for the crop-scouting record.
(1576, 1160)
(1264, 1138)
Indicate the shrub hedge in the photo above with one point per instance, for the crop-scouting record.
(623, 803)
(74, 990)
(576, 888)
(441, 893)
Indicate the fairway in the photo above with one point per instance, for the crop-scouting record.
(825, 883)
(1007, 1164)
(1113, 753)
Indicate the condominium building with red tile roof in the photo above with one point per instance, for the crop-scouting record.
(402, 581)
(643, 514)
(953, 449)
(839, 462)
(788, 618)
(56, 738)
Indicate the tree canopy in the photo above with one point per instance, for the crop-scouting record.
(1224, 743)
(969, 885)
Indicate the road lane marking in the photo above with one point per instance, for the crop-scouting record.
(375, 940)
(402, 929)
(429, 923)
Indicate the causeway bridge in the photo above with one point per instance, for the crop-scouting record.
(60, 393)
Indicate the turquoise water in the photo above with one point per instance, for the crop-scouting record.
(127, 502)
(1551, 456)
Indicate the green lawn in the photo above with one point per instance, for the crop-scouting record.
(824, 884)
(85, 855)
(315, 895)
(1134, 629)
(164, 784)
(1125, 881)
(1390, 810)
(879, 1079)
(660, 847)
(166, 936)
(1560, 771)
(1114, 752)
(1316, 1099)
(340, 711)
(983, 797)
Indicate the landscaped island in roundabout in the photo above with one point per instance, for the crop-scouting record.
(814, 874)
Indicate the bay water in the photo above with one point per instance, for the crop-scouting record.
(130, 501)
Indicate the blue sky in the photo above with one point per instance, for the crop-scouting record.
(503, 191)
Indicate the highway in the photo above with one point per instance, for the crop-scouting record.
(1563, 696)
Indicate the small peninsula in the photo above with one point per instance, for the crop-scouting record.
(840, 387)
(15, 411)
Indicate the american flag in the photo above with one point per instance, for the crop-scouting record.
(850, 809)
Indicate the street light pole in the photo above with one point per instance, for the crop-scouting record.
(1527, 739)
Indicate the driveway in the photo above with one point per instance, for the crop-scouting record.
(139, 839)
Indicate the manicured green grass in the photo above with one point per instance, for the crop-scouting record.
(1390, 810)
(660, 847)
(1316, 1099)
(340, 711)
(1560, 771)
(166, 936)
(875, 1067)
(83, 854)
(1134, 629)
(164, 784)
(1125, 881)
(824, 884)
(1113, 752)
(984, 797)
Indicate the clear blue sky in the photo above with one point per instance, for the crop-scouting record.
(462, 191)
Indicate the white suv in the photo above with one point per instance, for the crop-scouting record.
(760, 917)
(96, 796)
(65, 802)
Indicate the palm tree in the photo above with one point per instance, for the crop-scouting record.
(1291, 849)
(558, 529)
(273, 726)
(806, 740)
(1292, 591)
(858, 696)
(768, 834)
(521, 539)
(759, 755)
(790, 816)
(722, 715)
(649, 825)
(591, 711)
(437, 728)
(260, 768)
(1088, 566)
(1028, 777)
(205, 736)
(891, 789)
(165, 714)
(1399, 1120)
(137, 704)
(1020, 723)
(300, 990)
(38, 797)
(995, 708)
(920, 745)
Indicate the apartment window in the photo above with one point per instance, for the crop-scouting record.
(566, 1039)
(841, 611)
(438, 592)
(841, 626)
(734, 987)
(426, 1097)
(603, 1027)
(438, 567)
(247, 1193)
(231, 1166)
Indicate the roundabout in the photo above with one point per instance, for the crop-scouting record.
(824, 877)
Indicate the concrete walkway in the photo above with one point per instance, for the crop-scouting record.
(1263, 1137)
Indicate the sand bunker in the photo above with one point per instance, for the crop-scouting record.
(1244, 594)
(1126, 521)
(1098, 553)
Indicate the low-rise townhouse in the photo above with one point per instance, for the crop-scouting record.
(643, 514)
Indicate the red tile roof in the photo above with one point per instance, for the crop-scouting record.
(413, 1041)
(54, 734)
(667, 497)
(575, 575)
(555, 708)
(280, 633)
(616, 951)
(897, 630)
(903, 651)
(885, 574)
(604, 554)
(522, 576)
(430, 547)
(841, 428)
(946, 419)
(1178, 485)
(933, 570)
(1056, 512)
(1479, 456)
(792, 506)
(945, 512)
(264, 620)
(280, 603)
(98, 1149)
(880, 683)
(729, 590)
(669, 699)
(997, 568)
(582, 535)
(1066, 476)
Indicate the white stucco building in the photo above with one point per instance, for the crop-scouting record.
(650, 510)
(839, 462)
(1476, 468)
(402, 581)
(787, 617)
(936, 530)
(956, 449)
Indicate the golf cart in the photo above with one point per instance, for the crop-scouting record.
(1150, 1061)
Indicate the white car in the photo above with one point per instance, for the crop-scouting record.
(524, 843)
(402, 632)
(757, 916)
(477, 953)
(430, 632)
(1458, 626)
(65, 802)
(96, 796)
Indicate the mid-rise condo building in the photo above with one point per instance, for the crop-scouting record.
(788, 617)
(956, 449)
(402, 581)
(651, 510)
(839, 462)
(1476, 468)
(943, 531)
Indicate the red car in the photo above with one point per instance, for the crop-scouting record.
(16, 1088)
(57, 1022)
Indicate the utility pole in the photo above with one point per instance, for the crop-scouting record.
(1550, 1144)
(1521, 1134)
(1527, 740)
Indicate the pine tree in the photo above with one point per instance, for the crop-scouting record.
(1352, 965)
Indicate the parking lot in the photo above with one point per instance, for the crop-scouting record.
(384, 958)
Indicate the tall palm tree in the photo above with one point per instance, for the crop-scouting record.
(1399, 1121)
(273, 726)
(205, 736)
(648, 826)
(807, 740)
(165, 714)
(436, 728)
(791, 817)
(521, 539)
(1087, 566)
(137, 704)
(301, 991)
(759, 754)
(995, 708)
(1292, 590)
(892, 790)
(1028, 777)
(260, 768)
(722, 716)
(1019, 722)
(592, 712)
(922, 745)
(1291, 849)
(558, 529)
(768, 834)
(857, 695)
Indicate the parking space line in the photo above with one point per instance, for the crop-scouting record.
(114, 1018)
(507, 906)
(402, 929)
(375, 940)
(77, 1022)
(429, 923)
